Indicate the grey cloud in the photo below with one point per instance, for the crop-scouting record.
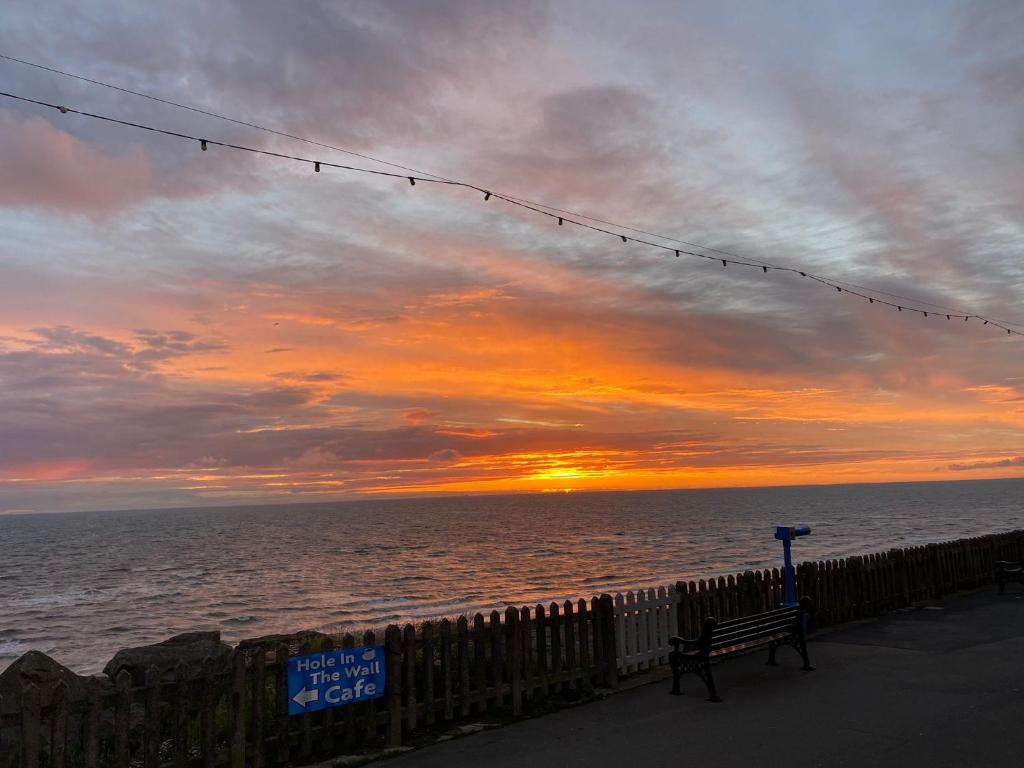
(157, 346)
(312, 377)
(445, 456)
(356, 75)
(65, 338)
(1017, 461)
(281, 397)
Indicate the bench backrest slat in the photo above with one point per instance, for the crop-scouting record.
(728, 627)
(740, 637)
(752, 637)
(759, 628)
(789, 612)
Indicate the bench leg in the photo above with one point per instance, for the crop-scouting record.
(676, 674)
(771, 655)
(676, 663)
(709, 681)
(801, 648)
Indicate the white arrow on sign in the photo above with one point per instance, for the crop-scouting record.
(303, 697)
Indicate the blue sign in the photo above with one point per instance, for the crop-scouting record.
(332, 678)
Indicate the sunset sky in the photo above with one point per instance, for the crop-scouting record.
(183, 328)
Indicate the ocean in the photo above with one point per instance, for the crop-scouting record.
(79, 586)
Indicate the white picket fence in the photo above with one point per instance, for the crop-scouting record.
(644, 621)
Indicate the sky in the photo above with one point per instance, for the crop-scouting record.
(187, 328)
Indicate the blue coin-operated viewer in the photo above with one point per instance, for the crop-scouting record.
(786, 534)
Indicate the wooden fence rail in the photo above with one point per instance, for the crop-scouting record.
(236, 713)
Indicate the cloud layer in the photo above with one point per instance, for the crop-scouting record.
(180, 327)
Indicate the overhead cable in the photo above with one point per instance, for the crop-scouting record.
(578, 221)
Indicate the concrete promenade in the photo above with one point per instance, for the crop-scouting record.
(937, 685)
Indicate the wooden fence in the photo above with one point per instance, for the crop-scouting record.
(504, 664)
(237, 715)
(644, 621)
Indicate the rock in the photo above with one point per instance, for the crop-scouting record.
(294, 641)
(38, 668)
(190, 649)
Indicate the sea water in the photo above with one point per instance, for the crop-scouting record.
(79, 586)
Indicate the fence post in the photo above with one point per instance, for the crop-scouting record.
(929, 571)
(30, 726)
(462, 631)
(59, 726)
(555, 622)
(515, 660)
(682, 620)
(597, 662)
(619, 649)
(731, 594)
(479, 662)
(92, 723)
(122, 718)
(583, 636)
(259, 692)
(207, 714)
(447, 688)
(179, 707)
(427, 631)
(326, 745)
(541, 639)
(151, 724)
(606, 626)
(654, 610)
(903, 583)
(370, 723)
(306, 718)
(497, 632)
(281, 695)
(409, 662)
(348, 640)
(527, 647)
(569, 622)
(237, 705)
(393, 683)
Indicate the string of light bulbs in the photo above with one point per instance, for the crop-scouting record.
(563, 217)
(547, 207)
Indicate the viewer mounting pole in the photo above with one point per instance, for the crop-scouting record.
(786, 534)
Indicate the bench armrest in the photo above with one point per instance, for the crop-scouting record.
(687, 644)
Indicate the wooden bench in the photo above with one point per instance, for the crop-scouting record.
(1008, 570)
(781, 626)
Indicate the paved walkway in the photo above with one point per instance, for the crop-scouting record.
(936, 686)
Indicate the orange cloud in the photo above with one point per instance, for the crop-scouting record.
(45, 471)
